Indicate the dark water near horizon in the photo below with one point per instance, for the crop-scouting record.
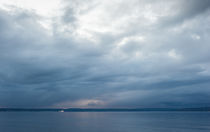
(105, 122)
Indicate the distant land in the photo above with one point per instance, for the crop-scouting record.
(99, 109)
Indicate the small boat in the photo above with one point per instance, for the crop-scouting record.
(61, 111)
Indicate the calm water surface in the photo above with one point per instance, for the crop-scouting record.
(105, 122)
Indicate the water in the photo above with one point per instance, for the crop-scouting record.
(105, 122)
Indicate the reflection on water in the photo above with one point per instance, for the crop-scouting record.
(105, 121)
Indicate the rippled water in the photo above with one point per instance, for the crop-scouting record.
(105, 122)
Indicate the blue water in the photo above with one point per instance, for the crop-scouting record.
(105, 122)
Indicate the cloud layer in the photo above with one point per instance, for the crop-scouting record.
(106, 54)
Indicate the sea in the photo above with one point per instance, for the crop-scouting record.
(105, 121)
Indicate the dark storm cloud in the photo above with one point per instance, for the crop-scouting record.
(185, 10)
(193, 7)
(96, 57)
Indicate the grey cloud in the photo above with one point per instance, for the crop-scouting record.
(184, 10)
(165, 69)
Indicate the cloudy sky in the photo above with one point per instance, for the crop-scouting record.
(101, 53)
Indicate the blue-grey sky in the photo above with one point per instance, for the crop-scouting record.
(101, 53)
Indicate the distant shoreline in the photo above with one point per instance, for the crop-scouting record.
(99, 109)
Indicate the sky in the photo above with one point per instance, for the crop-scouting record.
(104, 54)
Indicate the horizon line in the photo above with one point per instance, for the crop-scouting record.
(100, 109)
